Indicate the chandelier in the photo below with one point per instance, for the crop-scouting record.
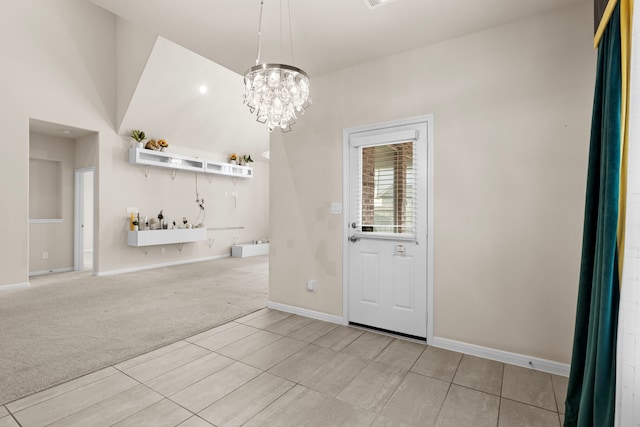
(276, 92)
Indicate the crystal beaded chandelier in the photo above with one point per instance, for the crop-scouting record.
(276, 92)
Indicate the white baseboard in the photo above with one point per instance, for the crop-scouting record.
(53, 270)
(165, 264)
(306, 313)
(461, 347)
(14, 286)
(502, 356)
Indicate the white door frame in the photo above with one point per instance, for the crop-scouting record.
(428, 119)
(78, 215)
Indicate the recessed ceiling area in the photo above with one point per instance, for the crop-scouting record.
(328, 35)
(56, 129)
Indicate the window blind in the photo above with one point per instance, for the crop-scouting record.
(387, 189)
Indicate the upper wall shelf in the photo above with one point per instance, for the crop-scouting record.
(142, 156)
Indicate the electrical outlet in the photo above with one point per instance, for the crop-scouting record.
(163, 250)
(311, 285)
(45, 255)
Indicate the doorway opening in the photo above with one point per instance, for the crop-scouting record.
(388, 246)
(62, 197)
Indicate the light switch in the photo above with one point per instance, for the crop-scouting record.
(336, 208)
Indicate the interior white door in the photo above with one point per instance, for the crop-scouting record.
(387, 256)
(83, 217)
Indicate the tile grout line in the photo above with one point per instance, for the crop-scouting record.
(172, 369)
(148, 352)
(231, 343)
(93, 404)
(530, 405)
(61, 394)
(272, 402)
(500, 397)
(104, 400)
(448, 390)
(10, 414)
(416, 361)
(555, 396)
(210, 329)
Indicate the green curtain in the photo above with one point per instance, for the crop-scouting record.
(592, 382)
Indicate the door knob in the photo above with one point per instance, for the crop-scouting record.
(354, 238)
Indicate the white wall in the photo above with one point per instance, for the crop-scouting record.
(59, 66)
(133, 46)
(512, 116)
(628, 358)
(54, 238)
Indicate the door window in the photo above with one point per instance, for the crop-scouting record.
(387, 190)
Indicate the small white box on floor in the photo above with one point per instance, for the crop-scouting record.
(243, 251)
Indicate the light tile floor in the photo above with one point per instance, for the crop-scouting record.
(275, 369)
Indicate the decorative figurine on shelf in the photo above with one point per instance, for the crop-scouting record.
(174, 225)
(161, 219)
(162, 143)
(199, 223)
(152, 144)
(153, 223)
(233, 159)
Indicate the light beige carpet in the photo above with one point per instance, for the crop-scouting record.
(70, 324)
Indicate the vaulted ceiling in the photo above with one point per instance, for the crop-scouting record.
(328, 35)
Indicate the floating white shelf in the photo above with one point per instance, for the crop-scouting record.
(243, 251)
(228, 169)
(163, 159)
(165, 237)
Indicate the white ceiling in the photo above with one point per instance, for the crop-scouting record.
(167, 104)
(56, 129)
(328, 35)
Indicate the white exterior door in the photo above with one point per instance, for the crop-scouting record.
(387, 248)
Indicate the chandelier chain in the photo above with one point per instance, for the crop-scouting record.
(260, 32)
(290, 31)
(281, 38)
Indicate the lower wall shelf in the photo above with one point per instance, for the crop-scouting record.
(242, 251)
(165, 237)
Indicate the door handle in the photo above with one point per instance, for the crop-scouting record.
(354, 239)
